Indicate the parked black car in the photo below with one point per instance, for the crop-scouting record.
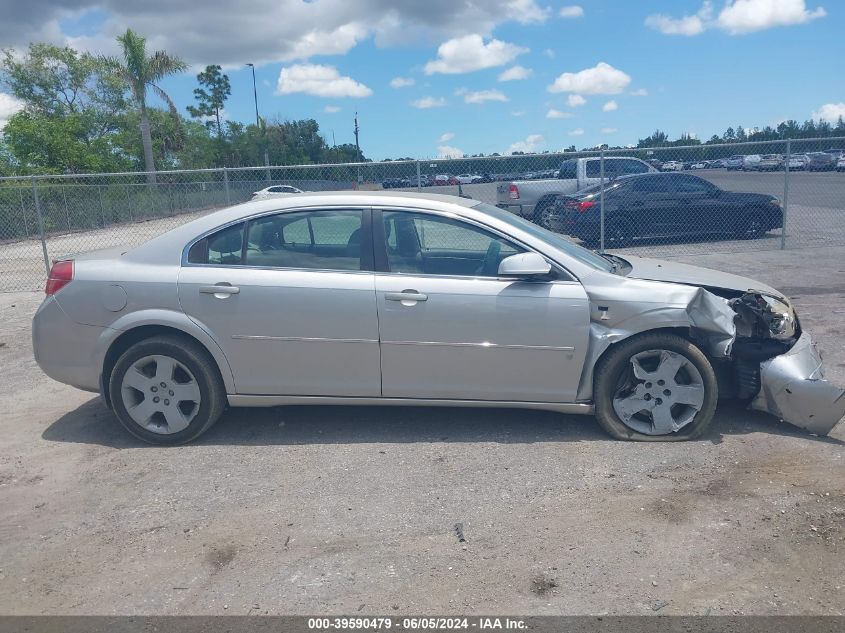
(665, 205)
(395, 183)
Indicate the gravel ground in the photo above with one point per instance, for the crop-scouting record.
(359, 510)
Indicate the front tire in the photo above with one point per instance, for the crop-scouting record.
(752, 226)
(655, 387)
(167, 390)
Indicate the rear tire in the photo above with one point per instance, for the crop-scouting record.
(167, 390)
(618, 233)
(617, 388)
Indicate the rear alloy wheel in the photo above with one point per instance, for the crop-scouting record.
(167, 390)
(751, 227)
(655, 387)
(543, 214)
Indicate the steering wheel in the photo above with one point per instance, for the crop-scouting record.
(490, 266)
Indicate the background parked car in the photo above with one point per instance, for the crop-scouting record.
(673, 205)
(699, 165)
(821, 161)
(751, 162)
(672, 165)
(798, 162)
(395, 183)
(770, 162)
(275, 190)
(840, 164)
(734, 162)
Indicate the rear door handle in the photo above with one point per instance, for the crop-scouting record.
(219, 289)
(405, 295)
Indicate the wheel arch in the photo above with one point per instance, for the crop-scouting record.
(142, 329)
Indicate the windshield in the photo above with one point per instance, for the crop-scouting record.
(558, 241)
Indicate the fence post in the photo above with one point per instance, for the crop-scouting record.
(102, 208)
(226, 185)
(40, 225)
(419, 178)
(23, 214)
(601, 198)
(67, 213)
(785, 193)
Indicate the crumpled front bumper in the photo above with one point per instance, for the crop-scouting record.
(793, 388)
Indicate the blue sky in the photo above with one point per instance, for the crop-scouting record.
(678, 65)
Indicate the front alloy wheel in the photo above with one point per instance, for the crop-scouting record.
(654, 386)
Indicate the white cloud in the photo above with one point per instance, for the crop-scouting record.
(469, 53)
(446, 137)
(600, 79)
(558, 114)
(402, 82)
(279, 30)
(828, 112)
(518, 113)
(639, 92)
(9, 105)
(737, 17)
(610, 106)
(549, 53)
(447, 151)
(331, 109)
(577, 132)
(686, 25)
(572, 11)
(747, 16)
(484, 95)
(609, 130)
(573, 101)
(429, 102)
(530, 144)
(515, 73)
(320, 81)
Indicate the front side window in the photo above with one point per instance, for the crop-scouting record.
(423, 244)
(320, 240)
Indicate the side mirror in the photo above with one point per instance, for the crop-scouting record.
(524, 266)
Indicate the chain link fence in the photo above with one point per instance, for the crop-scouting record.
(661, 201)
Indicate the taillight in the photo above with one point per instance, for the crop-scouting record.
(513, 192)
(61, 274)
(580, 207)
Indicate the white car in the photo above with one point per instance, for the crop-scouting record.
(275, 191)
(798, 161)
(840, 164)
(751, 162)
(699, 165)
(672, 165)
(465, 179)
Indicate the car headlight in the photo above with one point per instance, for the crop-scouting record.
(783, 323)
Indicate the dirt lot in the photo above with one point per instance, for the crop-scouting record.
(297, 510)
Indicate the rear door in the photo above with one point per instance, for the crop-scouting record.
(290, 298)
(650, 201)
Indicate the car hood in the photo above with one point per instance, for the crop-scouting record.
(660, 270)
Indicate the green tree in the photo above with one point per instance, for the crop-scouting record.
(141, 73)
(72, 109)
(211, 95)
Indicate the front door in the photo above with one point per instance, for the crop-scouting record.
(290, 298)
(450, 328)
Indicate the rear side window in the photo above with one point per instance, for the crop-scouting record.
(224, 247)
(594, 168)
(318, 240)
(691, 184)
(651, 184)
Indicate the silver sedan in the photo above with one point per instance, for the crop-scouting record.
(391, 299)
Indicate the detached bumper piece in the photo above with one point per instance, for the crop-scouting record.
(793, 388)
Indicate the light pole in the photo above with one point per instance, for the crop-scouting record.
(254, 93)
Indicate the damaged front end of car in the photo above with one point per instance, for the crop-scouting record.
(779, 367)
(752, 336)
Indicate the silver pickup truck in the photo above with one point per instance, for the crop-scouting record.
(530, 198)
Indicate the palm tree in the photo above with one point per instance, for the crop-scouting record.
(140, 72)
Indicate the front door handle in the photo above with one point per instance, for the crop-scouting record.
(219, 289)
(410, 296)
